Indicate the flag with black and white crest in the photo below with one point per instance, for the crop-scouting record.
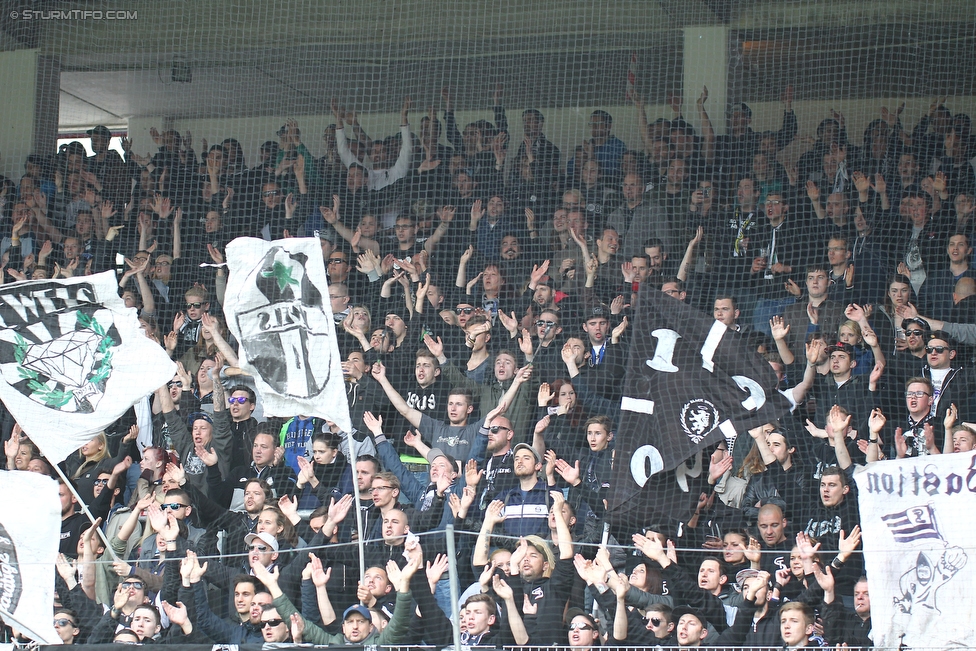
(30, 528)
(277, 306)
(73, 359)
(691, 383)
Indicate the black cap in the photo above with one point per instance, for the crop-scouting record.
(597, 310)
(681, 611)
(100, 131)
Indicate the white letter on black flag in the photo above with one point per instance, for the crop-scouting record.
(277, 306)
(30, 527)
(691, 383)
(73, 359)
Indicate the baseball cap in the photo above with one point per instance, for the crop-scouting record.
(358, 608)
(744, 575)
(596, 311)
(264, 537)
(681, 611)
(437, 452)
(543, 548)
(579, 612)
(199, 415)
(526, 446)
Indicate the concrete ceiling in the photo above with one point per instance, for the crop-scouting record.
(252, 57)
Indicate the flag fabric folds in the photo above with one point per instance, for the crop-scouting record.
(277, 307)
(30, 527)
(691, 383)
(917, 538)
(73, 359)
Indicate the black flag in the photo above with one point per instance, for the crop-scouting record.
(691, 382)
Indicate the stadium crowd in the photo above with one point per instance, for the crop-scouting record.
(482, 282)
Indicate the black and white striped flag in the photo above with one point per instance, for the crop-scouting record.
(73, 359)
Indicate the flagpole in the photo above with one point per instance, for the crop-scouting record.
(358, 511)
(10, 619)
(84, 508)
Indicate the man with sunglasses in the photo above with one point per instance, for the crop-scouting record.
(66, 625)
(177, 502)
(274, 627)
(457, 437)
(952, 384)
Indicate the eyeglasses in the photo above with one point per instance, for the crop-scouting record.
(61, 623)
(175, 383)
(494, 429)
(173, 506)
(655, 622)
(581, 627)
(463, 310)
(773, 202)
(270, 193)
(936, 349)
(336, 260)
(101, 482)
(376, 489)
(671, 292)
(544, 324)
(133, 585)
(258, 548)
(195, 306)
(237, 401)
(271, 622)
(914, 333)
(333, 297)
(916, 394)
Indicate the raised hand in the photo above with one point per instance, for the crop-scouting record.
(545, 394)
(901, 445)
(339, 510)
(472, 476)
(495, 513)
(876, 421)
(320, 577)
(779, 328)
(570, 474)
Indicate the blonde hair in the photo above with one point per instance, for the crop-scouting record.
(94, 459)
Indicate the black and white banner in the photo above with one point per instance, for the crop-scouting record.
(691, 383)
(30, 530)
(73, 359)
(277, 306)
(918, 532)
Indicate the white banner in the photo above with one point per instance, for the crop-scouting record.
(73, 359)
(30, 531)
(919, 535)
(277, 305)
